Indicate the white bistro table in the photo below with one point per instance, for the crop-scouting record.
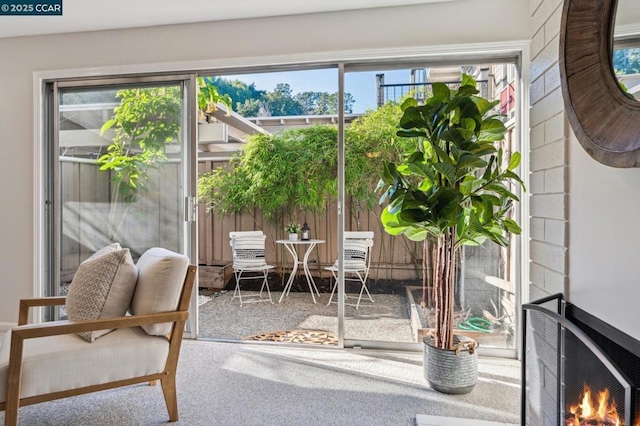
(291, 246)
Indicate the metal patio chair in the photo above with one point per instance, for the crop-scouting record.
(249, 257)
(357, 262)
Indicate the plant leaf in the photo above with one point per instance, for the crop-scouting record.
(511, 226)
(447, 170)
(514, 161)
(409, 102)
(107, 125)
(441, 92)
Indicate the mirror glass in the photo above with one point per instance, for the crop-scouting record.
(626, 48)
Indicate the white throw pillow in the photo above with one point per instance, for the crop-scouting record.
(102, 287)
(160, 279)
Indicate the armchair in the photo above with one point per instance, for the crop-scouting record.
(43, 362)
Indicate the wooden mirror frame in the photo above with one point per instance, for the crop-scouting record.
(604, 119)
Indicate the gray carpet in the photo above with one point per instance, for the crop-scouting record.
(242, 384)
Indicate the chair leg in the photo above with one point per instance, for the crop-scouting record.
(363, 289)
(265, 282)
(236, 291)
(11, 415)
(333, 288)
(14, 382)
(170, 397)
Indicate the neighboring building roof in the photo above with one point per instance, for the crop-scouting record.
(279, 124)
(222, 134)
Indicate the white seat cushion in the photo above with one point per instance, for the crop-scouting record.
(161, 274)
(249, 253)
(57, 363)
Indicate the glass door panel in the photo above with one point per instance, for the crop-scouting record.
(268, 163)
(119, 172)
(486, 288)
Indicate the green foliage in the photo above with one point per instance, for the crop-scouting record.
(209, 97)
(250, 108)
(370, 141)
(297, 169)
(146, 120)
(280, 102)
(626, 61)
(292, 228)
(248, 101)
(277, 174)
(323, 103)
(237, 90)
(455, 178)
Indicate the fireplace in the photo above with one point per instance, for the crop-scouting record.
(577, 369)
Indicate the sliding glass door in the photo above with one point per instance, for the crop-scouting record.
(396, 309)
(119, 170)
(282, 146)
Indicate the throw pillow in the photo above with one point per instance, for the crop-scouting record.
(160, 280)
(102, 287)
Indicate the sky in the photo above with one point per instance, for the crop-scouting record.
(361, 85)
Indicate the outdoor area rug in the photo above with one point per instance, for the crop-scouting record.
(316, 337)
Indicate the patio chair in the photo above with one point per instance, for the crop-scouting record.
(357, 261)
(249, 257)
(59, 359)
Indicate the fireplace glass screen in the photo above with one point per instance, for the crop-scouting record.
(592, 394)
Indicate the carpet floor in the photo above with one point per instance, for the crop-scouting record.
(258, 384)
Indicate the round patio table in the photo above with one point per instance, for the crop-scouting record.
(291, 246)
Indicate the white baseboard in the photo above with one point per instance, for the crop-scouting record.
(427, 420)
(6, 326)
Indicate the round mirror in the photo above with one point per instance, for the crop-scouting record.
(605, 120)
(626, 48)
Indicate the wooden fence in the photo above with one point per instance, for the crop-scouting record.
(90, 222)
(392, 257)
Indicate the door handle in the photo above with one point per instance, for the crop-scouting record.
(190, 209)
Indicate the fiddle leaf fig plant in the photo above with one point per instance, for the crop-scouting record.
(455, 189)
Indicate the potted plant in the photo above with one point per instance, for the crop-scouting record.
(453, 190)
(293, 229)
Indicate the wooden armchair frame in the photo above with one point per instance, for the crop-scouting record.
(167, 377)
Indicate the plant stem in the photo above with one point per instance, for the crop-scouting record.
(444, 288)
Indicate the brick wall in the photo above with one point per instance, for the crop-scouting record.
(542, 370)
(549, 159)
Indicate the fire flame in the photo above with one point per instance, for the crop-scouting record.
(587, 413)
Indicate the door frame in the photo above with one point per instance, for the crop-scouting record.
(519, 49)
(47, 180)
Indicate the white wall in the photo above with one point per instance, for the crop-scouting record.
(467, 21)
(628, 12)
(604, 239)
